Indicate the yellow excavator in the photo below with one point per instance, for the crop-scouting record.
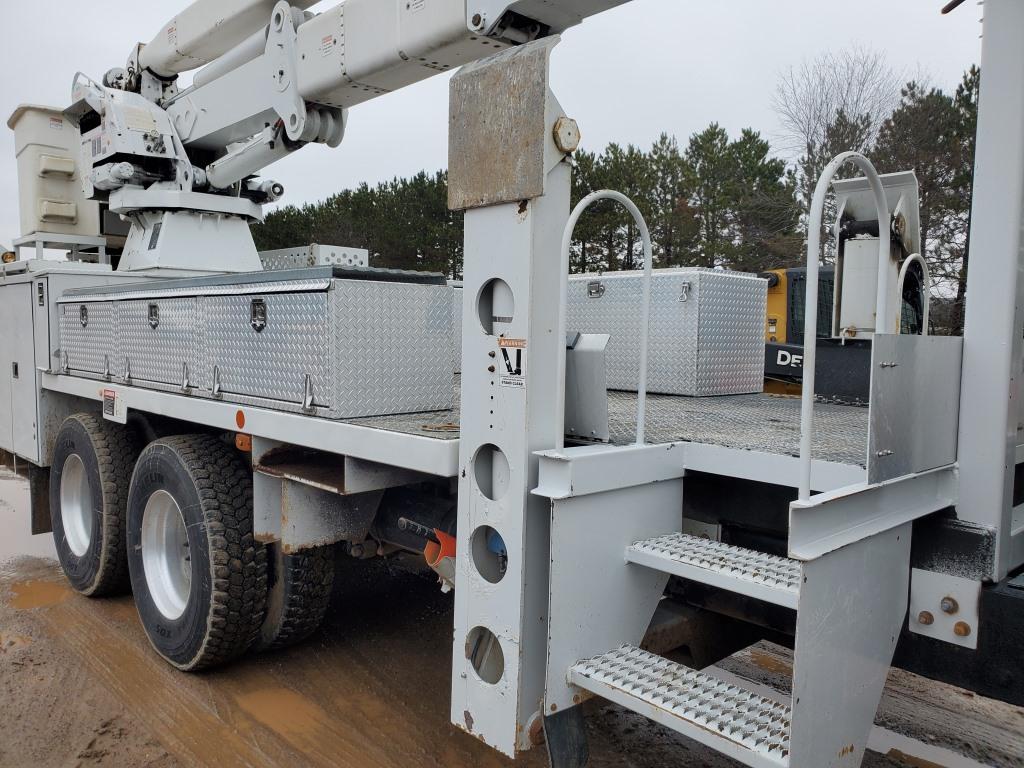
(848, 294)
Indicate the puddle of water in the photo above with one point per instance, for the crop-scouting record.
(282, 710)
(37, 594)
(16, 523)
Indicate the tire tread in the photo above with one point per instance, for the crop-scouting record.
(305, 579)
(238, 567)
(117, 448)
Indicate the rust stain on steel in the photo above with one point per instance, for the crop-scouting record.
(318, 469)
(498, 132)
(469, 720)
(536, 733)
(769, 663)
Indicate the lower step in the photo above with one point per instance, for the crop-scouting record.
(729, 719)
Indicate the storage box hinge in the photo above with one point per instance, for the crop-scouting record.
(307, 393)
(216, 390)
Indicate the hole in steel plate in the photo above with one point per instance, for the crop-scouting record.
(491, 471)
(490, 557)
(496, 306)
(483, 650)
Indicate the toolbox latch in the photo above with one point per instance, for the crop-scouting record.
(595, 289)
(258, 314)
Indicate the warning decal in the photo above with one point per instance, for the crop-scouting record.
(513, 363)
(114, 407)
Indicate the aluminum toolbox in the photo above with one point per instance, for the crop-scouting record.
(706, 331)
(87, 333)
(334, 342)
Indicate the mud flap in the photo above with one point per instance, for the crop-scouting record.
(565, 734)
(39, 496)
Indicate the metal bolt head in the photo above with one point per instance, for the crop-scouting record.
(478, 20)
(961, 629)
(567, 135)
(949, 605)
(926, 618)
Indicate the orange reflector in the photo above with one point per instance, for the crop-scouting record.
(243, 442)
(240, 419)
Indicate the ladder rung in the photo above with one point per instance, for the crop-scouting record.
(720, 715)
(744, 571)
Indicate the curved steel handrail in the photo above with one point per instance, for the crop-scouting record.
(817, 213)
(645, 307)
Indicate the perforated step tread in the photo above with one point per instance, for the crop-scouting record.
(725, 717)
(745, 571)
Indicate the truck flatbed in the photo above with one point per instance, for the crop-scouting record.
(759, 423)
(755, 435)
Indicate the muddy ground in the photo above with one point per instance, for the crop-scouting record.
(80, 685)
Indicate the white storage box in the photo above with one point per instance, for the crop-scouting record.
(51, 195)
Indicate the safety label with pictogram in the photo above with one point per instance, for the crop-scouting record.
(513, 363)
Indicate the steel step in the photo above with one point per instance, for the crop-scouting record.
(744, 571)
(747, 727)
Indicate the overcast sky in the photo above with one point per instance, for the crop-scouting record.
(626, 75)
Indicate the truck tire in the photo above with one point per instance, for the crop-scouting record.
(91, 466)
(298, 595)
(199, 576)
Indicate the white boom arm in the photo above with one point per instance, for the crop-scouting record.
(274, 77)
(205, 31)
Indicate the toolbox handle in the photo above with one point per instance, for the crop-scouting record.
(645, 304)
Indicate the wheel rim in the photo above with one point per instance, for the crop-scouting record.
(76, 511)
(165, 554)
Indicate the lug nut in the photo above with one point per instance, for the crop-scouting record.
(949, 605)
(924, 617)
(961, 629)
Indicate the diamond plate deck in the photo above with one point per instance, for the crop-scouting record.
(765, 423)
(745, 571)
(760, 422)
(736, 722)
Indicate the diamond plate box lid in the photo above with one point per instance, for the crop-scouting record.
(369, 343)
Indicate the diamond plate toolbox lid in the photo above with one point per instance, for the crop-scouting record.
(331, 342)
(706, 328)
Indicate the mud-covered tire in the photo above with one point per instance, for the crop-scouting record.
(298, 595)
(90, 470)
(220, 610)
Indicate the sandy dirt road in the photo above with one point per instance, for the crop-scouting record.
(80, 686)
